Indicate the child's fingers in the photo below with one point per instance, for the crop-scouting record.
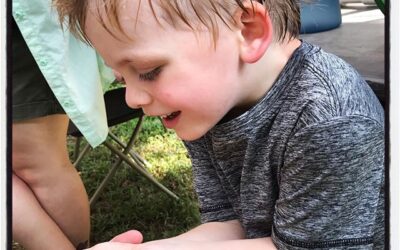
(132, 236)
(114, 246)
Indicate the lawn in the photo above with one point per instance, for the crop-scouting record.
(130, 200)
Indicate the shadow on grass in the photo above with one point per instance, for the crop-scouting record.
(134, 203)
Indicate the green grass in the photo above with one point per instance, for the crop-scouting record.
(130, 201)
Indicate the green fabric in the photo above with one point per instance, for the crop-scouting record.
(381, 5)
(73, 70)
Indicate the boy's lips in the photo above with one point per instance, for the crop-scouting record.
(171, 119)
(171, 115)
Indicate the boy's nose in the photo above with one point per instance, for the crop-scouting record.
(136, 97)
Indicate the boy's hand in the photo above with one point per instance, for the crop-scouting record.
(128, 244)
(113, 246)
(210, 236)
(178, 244)
(165, 244)
(122, 241)
(132, 237)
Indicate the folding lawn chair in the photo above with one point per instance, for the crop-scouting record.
(117, 112)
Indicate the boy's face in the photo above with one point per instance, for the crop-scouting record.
(172, 73)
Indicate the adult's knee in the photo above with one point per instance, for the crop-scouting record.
(35, 167)
(39, 144)
(24, 162)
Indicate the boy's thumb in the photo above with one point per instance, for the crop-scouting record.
(132, 237)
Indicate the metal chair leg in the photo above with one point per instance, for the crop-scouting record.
(81, 155)
(135, 166)
(100, 188)
(76, 148)
(113, 169)
(136, 162)
(132, 153)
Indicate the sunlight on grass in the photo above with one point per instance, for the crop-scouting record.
(130, 201)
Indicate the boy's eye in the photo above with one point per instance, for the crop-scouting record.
(151, 75)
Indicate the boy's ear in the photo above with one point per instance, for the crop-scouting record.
(256, 31)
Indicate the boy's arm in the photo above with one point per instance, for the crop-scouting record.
(253, 244)
(214, 231)
(213, 235)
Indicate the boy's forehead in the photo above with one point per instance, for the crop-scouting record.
(137, 19)
(138, 11)
(123, 17)
(179, 14)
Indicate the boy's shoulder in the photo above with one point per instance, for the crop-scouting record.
(314, 60)
(325, 81)
(311, 66)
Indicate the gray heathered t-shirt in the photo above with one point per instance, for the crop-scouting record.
(305, 165)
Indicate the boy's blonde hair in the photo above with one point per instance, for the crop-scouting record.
(285, 14)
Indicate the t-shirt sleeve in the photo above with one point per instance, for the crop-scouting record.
(330, 185)
(214, 204)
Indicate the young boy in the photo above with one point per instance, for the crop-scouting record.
(286, 140)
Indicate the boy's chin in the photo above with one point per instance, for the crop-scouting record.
(190, 135)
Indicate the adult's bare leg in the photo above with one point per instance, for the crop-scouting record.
(40, 159)
(32, 226)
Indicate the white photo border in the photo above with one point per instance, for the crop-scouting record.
(3, 127)
(394, 124)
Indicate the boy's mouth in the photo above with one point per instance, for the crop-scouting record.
(170, 120)
(171, 116)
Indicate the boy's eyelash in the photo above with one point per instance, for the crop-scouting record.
(151, 75)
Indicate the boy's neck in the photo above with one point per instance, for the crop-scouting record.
(260, 76)
(275, 59)
(263, 74)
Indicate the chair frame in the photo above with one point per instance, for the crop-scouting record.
(127, 155)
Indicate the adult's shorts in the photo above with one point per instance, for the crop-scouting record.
(31, 95)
